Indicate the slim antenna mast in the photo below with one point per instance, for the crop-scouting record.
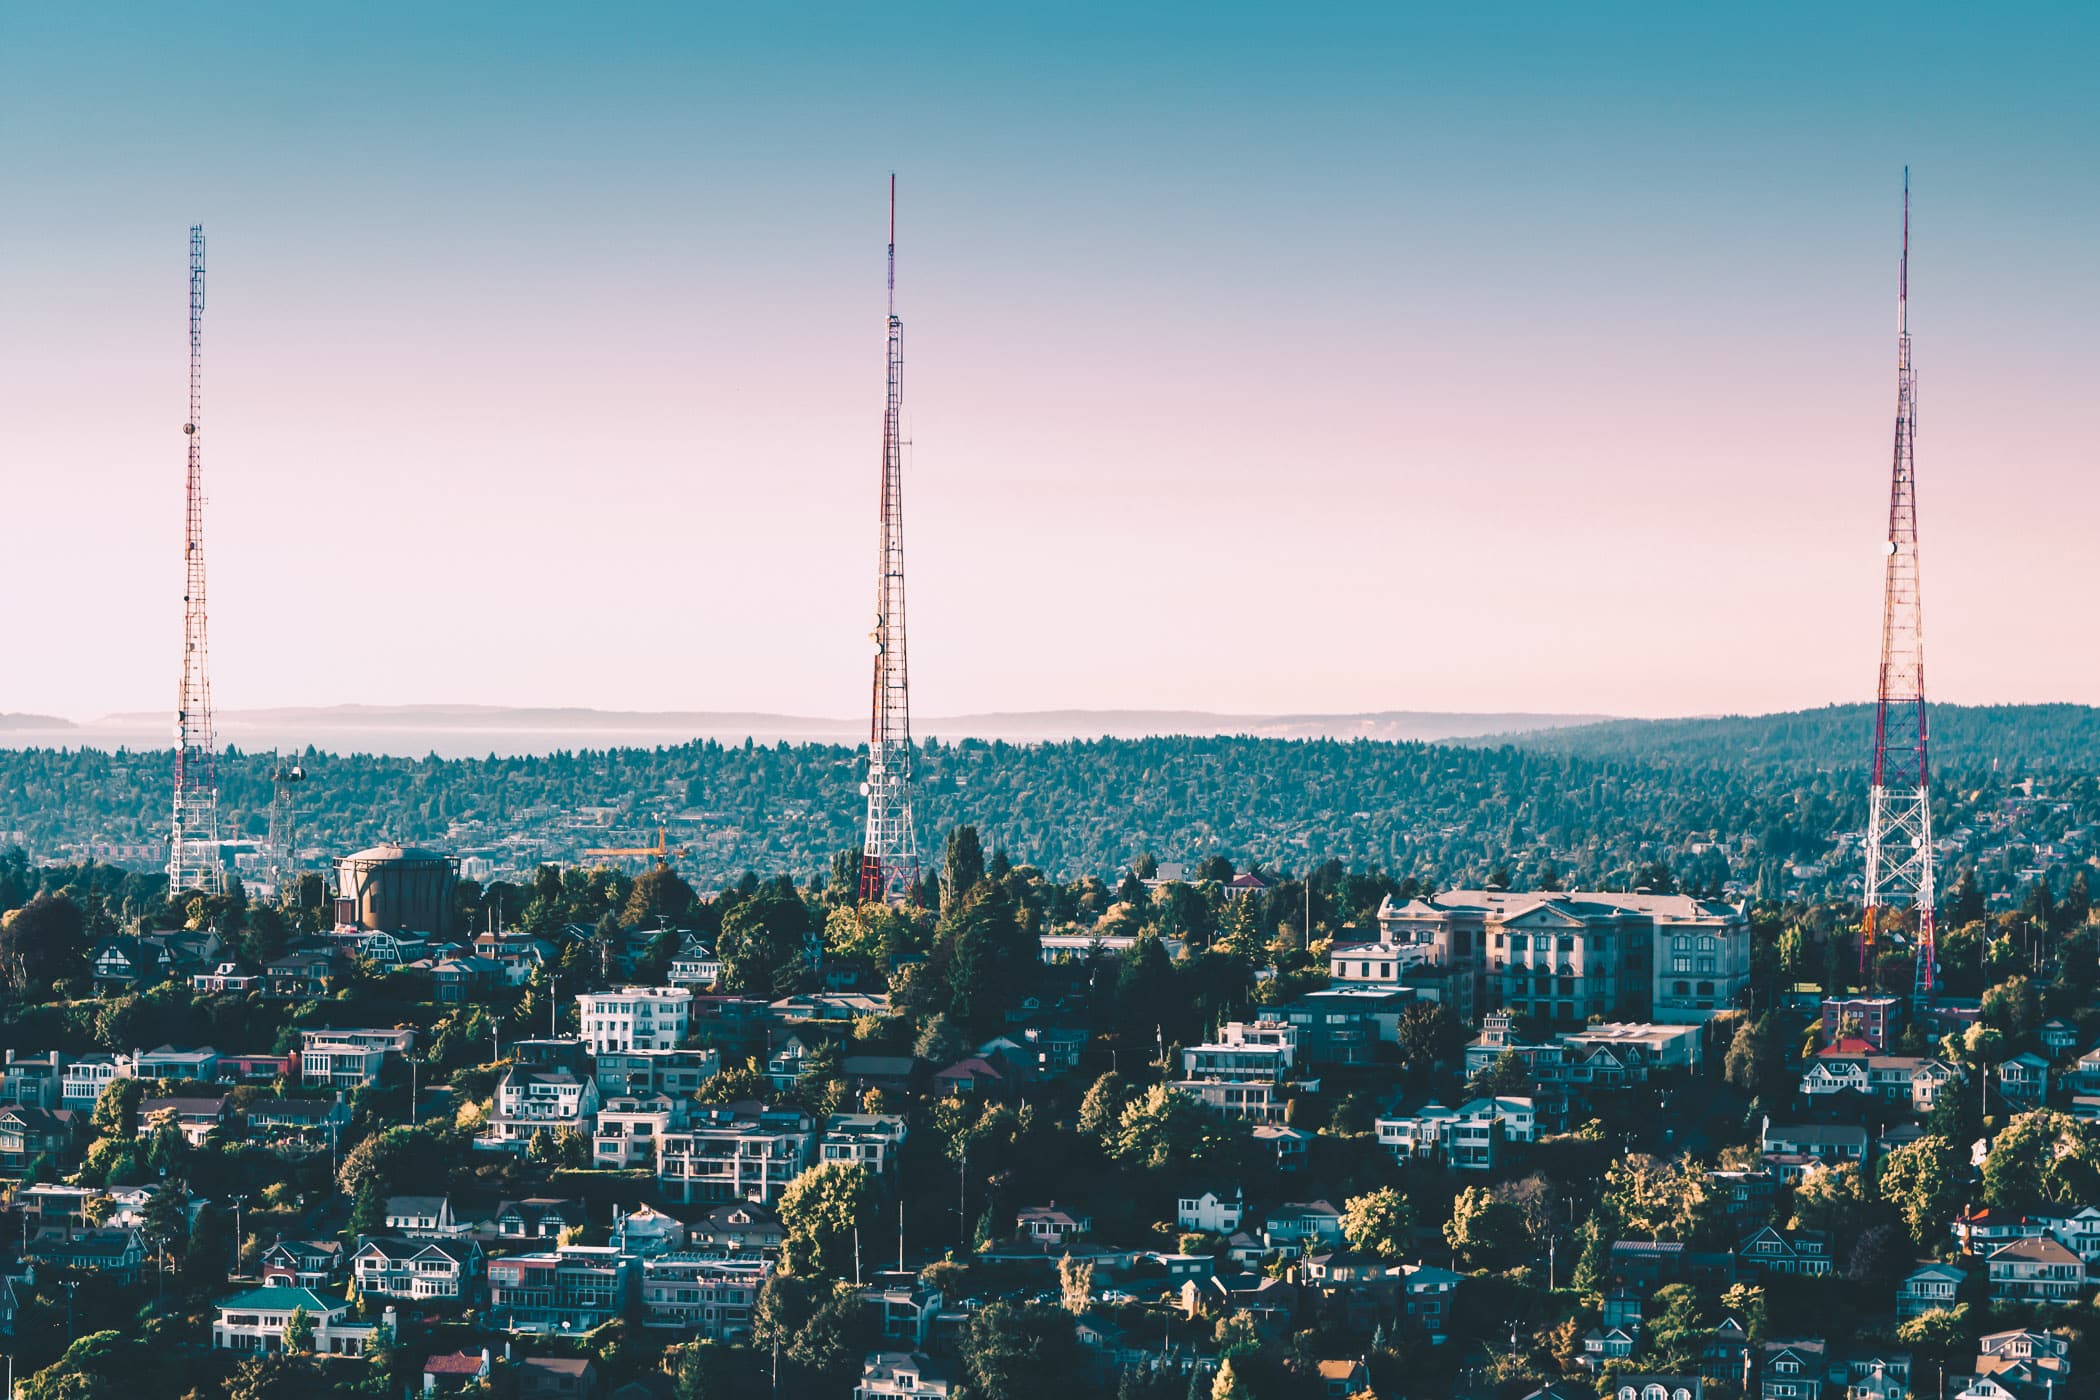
(193, 840)
(1899, 807)
(889, 864)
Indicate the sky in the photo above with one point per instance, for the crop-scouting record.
(1259, 358)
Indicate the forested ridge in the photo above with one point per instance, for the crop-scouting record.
(1720, 800)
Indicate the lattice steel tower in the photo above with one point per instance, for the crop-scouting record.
(193, 842)
(889, 863)
(1899, 811)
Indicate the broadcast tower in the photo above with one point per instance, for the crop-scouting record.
(889, 863)
(193, 842)
(1899, 811)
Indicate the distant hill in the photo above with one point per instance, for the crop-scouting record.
(1965, 738)
(471, 730)
(9, 720)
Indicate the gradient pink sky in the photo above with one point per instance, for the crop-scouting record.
(1255, 363)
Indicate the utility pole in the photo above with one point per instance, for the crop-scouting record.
(1899, 803)
(193, 839)
(889, 862)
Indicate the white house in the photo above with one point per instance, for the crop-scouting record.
(255, 1321)
(1215, 1210)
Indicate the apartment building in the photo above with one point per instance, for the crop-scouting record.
(738, 1152)
(678, 1073)
(577, 1287)
(630, 1126)
(871, 1140)
(635, 1018)
(84, 1079)
(707, 1297)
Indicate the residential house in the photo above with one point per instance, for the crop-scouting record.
(695, 966)
(533, 1101)
(33, 1080)
(2034, 1271)
(1291, 1145)
(2057, 1036)
(1344, 1025)
(2078, 1231)
(740, 1227)
(84, 1079)
(556, 1377)
(1602, 1344)
(904, 1309)
(256, 1069)
(316, 1264)
(457, 1370)
(1637, 1385)
(2024, 1079)
(1872, 1375)
(1929, 1286)
(339, 1064)
(1050, 1224)
(167, 1062)
(890, 1073)
(1983, 1230)
(540, 1218)
(424, 1271)
(1793, 1370)
(296, 1119)
(707, 1297)
(2048, 1351)
(227, 977)
(1214, 1209)
(744, 1151)
(1792, 1150)
(582, 1286)
(302, 975)
(1342, 1378)
(1771, 1251)
(1743, 1195)
(1303, 1227)
(886, 1375)
(196, 1118)
(114, 1250)
(254, 1321)
(422, 1217)
(127, 964)
(1426, 1291)
(871, 1140)
(973, 1077)
(28, 1133)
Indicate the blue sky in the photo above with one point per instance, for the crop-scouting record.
(1537, 357)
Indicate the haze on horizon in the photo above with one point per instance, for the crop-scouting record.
(1257, 362)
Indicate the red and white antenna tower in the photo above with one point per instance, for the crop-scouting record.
(193, 844)
(889, 862)
(1899, 811)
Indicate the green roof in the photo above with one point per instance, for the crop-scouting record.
(281, 1298)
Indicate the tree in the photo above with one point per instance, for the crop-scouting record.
(44, 942)
(736, 1084)
(762, 944)
(1075, 1285)
(990, 957)
(962, 863)
(1379, 1222)
(299, 1331)
(1164, 1127)
(1020, 1351)
(1227, 1385)
(1833, 1201)
(702, 1370)
(1427, 1035)
(367, 1210)
(1483, 1229)
(819, 1211)
(1756, 1057)
(1923, 1181)
(2042, 1158)
(1505, 1076)
(165, 1219)
(117, 1110)
(660, 893)
(2012, 1007)
(1102, 1105)
(940, 1040)
(1664, 1200)
(1677, 1327)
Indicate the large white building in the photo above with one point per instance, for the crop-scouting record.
(742, 1152)
(1562, 957)
(635, 1018)
(531, 1101)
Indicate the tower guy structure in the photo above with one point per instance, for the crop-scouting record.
(1899, 811)
(193, 842)
(285, 778)
(889, 862)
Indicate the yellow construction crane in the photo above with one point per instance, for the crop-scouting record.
(662, 851)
